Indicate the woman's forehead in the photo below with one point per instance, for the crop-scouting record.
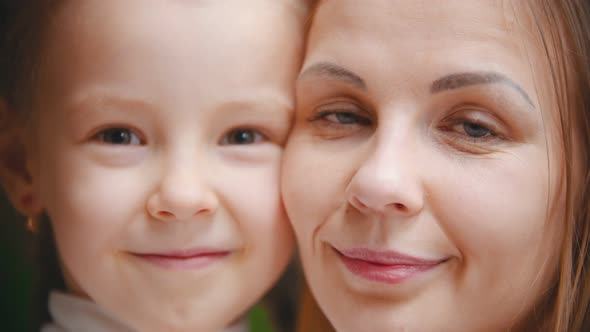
(465, 18)
(433, 38)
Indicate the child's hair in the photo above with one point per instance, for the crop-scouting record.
(567, 47)
(22, 42)
(22, 32)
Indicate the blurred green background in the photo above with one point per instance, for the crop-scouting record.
(16, 276)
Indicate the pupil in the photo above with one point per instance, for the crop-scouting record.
(346, 118)
(118, 136)
(475, 130)
(242, 137)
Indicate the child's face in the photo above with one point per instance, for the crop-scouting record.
(430, 132)
(156, 148)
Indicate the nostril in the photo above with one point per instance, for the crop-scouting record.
(165, 214)
(359, 203)
(400, 207)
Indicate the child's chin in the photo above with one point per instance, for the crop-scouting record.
(199, 315)
(178, 325)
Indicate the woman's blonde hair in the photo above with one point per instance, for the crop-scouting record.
(567, 47)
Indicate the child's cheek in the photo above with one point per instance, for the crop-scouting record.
(90, 205)
(252, 197)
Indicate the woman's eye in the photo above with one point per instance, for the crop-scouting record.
(344, 118)
(475, 130)
(341, 122)
(118, 136)
(242, 137)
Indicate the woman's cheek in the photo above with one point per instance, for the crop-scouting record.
(313, 185)
(489, 209)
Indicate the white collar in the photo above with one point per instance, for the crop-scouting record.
(72, 314)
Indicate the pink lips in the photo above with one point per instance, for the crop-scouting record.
(385, 266)
(184, 260)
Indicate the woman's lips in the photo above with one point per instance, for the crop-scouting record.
(385, 266)
(184, 260)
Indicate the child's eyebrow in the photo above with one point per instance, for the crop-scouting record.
(266, 105)
(97, 102)
(261, 105)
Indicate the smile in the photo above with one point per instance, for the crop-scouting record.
(184, 260)
(385, 266)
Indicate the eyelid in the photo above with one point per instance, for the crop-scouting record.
(97, 131)
(224, 138)
(339, 107)
(360, 120)
(343, 105)
(499, 131)
(482, 117)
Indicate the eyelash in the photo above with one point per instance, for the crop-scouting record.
(453, 131)
(463, 132)
(338, 122)
(128, 136)
(492, 132)
(255, 136)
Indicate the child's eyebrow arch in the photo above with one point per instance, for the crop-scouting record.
(265, 106)
(266, 100)
(100, 101)
(335, 72)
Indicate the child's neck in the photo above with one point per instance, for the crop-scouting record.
(72, 312)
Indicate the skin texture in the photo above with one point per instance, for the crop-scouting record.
(202, 92)
(429, 130)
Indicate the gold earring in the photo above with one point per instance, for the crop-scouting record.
(32, 224)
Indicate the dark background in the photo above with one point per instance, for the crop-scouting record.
(17, 270)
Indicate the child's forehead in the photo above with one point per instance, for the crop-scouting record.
(89, 25)
(175, 50)
(216, 9)
(206, 22)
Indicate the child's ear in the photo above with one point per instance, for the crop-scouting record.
(15, 176)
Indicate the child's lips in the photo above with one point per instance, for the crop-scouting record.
(184, 259)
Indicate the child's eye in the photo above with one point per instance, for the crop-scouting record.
(118, 136)
(242, 137)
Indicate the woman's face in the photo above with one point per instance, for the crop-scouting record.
(423, 173)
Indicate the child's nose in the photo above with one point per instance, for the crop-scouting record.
(182, 195)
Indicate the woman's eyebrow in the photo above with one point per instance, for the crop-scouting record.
(460, 80)
(334, 72)
(449, 82)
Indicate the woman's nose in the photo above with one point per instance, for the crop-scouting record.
(182, 194)
(387, 184)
